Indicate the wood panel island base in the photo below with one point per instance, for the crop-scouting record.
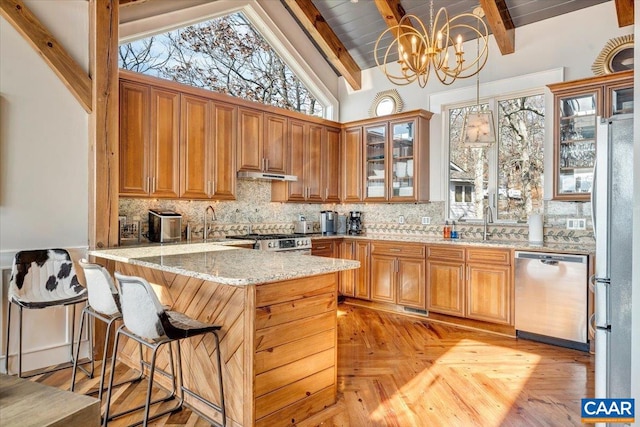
(278, 338)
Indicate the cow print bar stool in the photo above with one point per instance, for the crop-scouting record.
(103, 305)
(40, 279)
(150, 324)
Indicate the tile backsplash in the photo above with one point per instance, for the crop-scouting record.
(254, 209)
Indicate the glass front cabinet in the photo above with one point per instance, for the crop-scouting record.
(578, 104)
(396, 158)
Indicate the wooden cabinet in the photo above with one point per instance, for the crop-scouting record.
(325, 247)
(398, 274)
(578, 103)
(489, 285)
(207, 155)
(475, 283)
(395, 158)
(313, 157)
(149, 141)
(351, 165)
(174, 144)
(445, 280)
(355, 283)
(261, 141)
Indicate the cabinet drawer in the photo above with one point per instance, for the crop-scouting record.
(444, 252)
(398, 249)
(489, 256)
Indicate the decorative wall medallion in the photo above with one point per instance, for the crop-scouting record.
(617, 55)
(386, 102)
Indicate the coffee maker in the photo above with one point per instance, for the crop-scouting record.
(328, 222)
(354, 221)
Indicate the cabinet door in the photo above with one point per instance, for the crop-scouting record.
(445, 287)
(197, 153)
(223, 181)
(313, 160)
(134, 139)
(402, 146)
(383, 276)
(619, 98)
(351, 168)
(489, 293)
(362, 276)
(347, 277)
(331, 166)
(575, 144)
(376, 167)
(275, 143)
(297, 141)
(250, 140)
(165, 143)
(411, 283)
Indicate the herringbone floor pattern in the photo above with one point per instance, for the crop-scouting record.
(405, 372)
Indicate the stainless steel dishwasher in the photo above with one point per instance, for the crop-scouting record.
(551, 292)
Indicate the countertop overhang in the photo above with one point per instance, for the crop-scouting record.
(227, 264)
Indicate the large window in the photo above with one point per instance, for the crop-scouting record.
(506, 177)
(225, 54)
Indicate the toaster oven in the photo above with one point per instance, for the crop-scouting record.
(165, 226)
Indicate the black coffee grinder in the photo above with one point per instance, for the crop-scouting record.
(354, 222)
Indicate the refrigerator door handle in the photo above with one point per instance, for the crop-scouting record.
(593, 196)
(602, 304)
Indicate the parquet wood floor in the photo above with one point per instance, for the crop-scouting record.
(399, 371)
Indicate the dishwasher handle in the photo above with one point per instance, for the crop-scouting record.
(549, 261)
(551, 258)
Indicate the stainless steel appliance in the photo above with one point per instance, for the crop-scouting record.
(302, 226)
(164, 226)
(328, 222)
(342, 224)
(551, 293)
(289, 243)
(612, 199)
(355, 222)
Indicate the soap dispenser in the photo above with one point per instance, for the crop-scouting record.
(446, 233)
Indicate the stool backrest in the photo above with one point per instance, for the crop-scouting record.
(141, 309)
(43, 275)
(101, 291)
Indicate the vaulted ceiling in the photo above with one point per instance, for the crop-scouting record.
(345, 31)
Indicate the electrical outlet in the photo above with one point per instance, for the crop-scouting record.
(426, 220)
(401, 219)
(576, 224)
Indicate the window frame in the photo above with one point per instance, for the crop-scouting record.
(140, 27)
(492, 151)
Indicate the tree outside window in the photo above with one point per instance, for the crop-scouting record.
(226, 55)
(510, 171)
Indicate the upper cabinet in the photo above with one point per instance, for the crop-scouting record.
(175, 144)
(149, 141)
(578, 104)
(391, 158)
(313, 157)
(262, 141)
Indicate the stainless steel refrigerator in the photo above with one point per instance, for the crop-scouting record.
(613, 209)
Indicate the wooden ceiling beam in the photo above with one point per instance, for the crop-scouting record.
(323, 35)
(74, 77)
(624, 10)
(392, 12)
(501, 25)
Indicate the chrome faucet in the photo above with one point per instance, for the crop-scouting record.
(488, 218)
(206, 230)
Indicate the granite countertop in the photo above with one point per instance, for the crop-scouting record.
(227, 264)
(564, 247)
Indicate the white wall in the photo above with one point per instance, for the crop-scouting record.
(43, 162)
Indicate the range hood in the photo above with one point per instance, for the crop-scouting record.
(269, 176)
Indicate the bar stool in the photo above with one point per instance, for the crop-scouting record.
(104, 305)
(39, 279)
(147, 322)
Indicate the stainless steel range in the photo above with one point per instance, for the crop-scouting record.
(294, 242)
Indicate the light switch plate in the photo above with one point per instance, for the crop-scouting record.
(426, 220)
(401, 219)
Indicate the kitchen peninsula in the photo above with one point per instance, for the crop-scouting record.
(278, 314)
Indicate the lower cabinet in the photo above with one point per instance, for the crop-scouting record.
(325, 247)
(398, 274)
(474, 283)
